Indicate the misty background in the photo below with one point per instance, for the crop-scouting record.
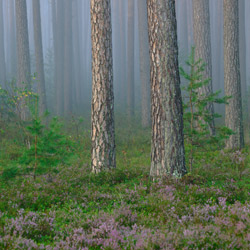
(77, 60)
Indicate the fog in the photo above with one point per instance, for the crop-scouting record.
(66, 42)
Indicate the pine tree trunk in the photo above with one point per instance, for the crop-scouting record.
(23, 54)
(103, 136)
(39, 56)
(233, 115)
(202, 41)
(144, 62)
(167, 153)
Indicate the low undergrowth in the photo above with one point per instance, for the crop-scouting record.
(70, 208)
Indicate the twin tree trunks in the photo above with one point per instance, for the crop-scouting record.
(168, 156)
(167, 152)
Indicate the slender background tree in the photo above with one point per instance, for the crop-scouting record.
(202, 42)
(39, 56)
(144, 62)
(130, 59)
(23, 53)
(233, 116)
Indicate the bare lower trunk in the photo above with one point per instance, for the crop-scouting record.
(102, 118)
(167, 155)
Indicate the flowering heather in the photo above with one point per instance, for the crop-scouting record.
(163, 215)
(73, 209)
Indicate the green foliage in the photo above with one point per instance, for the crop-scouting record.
(49, 146)
(13, 99)
(197, 117)
(73, 208)
(10, 172)
(45, 146)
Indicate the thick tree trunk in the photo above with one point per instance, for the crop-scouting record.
(2, 51)
(103, 135)
(23, 53)
(39, 56)
(144, 62)
(167, 155)
(233, 116)
(130, 60)
(202, 41)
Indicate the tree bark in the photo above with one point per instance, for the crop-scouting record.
(233, 115)
(130, 60)
(144, 62)
(167, 153)
(202, 41)
(23, 53)
(39, 56)
(103, 136)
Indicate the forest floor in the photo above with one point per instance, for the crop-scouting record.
(70, 208)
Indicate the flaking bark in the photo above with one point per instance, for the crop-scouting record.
(167, 153)
(102, 117)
